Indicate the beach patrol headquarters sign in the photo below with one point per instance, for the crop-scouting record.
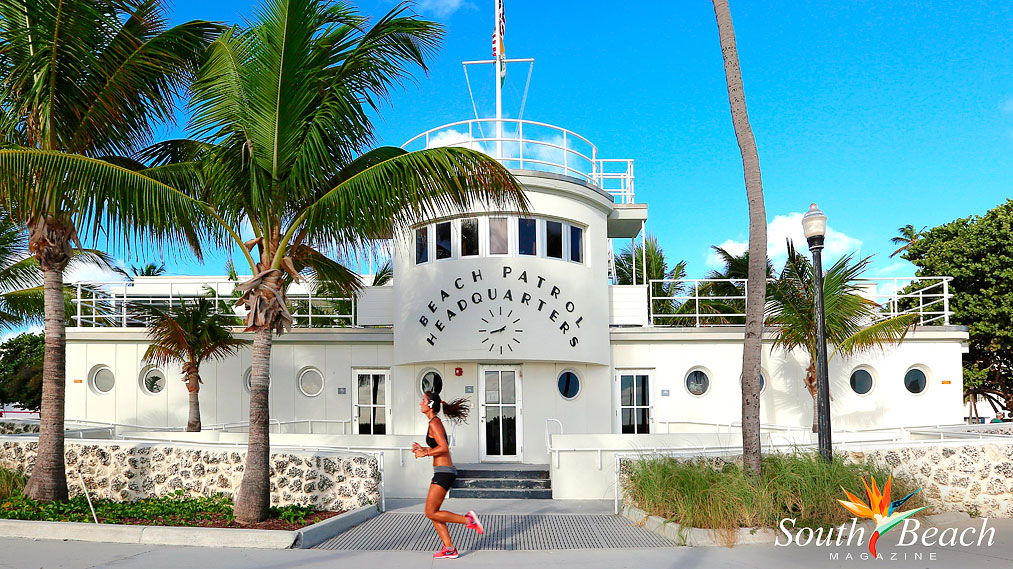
(510, 311)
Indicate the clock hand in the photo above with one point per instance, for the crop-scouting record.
(497, 330)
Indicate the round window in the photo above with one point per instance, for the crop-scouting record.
(697, 382)
(763, 381)
(311, 382)
(569, 385)
(915, 380)
(861, 381)
(103, 380)
(153, 381)
(248, 379)
(431, 382)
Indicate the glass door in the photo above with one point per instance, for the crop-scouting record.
(371, 412)
(634, 412)
(500, 406)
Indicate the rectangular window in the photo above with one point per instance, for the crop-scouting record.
(371, 402)
(527, 237)
(499, 238)
(443, 250)
(634, 403)
(554, 239)
(469, 237)
(576, 244)
(422, 245)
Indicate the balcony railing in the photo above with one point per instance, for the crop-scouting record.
(721, 302)
(530, 145)
(126, 304)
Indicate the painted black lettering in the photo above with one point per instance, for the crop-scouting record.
(506, 271)
(491, 293)
(573, 342)
(477, 298)
(450, 315)
(555, 292)
(444, 295)
(423, 321)
(462, 305)
(570, 306)
(523, 277)
(553, 315)
(458, 284)
(509, 295)
(431, 339)
(525, 297)
(540, 281)
(541, 303)
(476, 276)
(439, 325)
(579, 321)
(564, 327)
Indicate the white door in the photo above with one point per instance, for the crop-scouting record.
(635, 409)
(500, 413)
(370, 406)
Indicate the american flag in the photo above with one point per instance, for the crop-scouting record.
(498, 47)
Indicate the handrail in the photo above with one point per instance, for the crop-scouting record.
(689, 302)
(551, 151)
(548, 441)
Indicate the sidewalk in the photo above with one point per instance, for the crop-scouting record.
(26, 554)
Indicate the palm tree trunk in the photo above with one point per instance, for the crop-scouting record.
(812, 386)
(757, 278)
(193, 424)
(49, 478)
(253, 500)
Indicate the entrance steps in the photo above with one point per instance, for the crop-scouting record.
(528, 481)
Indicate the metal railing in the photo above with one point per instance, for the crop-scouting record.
(530, 145)
(722, 302)
(126, 304)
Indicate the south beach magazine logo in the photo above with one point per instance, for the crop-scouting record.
(887, 515)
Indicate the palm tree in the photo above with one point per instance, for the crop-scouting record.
(283, 114)
(82, 80)
(851, 319)
(149, 270)
(726, 294)
(189, 334)
(757, 281)
(630, 269)
(906, 237)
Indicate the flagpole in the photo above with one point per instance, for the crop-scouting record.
(497, 80)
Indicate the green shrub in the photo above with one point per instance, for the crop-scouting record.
(801, 486)
(12, 483)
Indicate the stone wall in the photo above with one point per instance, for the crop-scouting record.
(16, 427)
(973, 478)
(132, 471)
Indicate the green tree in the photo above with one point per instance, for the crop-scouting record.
(630, 269)
(282, 111)
(906, 237)
(977, 252)
(851, 319)
(190, 333)
(84, 80)
(752, 342)
(21, 370)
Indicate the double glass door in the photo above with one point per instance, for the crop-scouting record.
(500, 409)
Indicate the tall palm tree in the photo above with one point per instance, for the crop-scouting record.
(283, 114)
(906, 237)
(82, 80)
(726, 294)
(190, 333)
(753, 334)
(630, 268)
(148, 270)
(851, 326)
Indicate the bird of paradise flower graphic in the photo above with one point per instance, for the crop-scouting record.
(880, 509)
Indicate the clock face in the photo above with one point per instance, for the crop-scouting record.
(501, 330)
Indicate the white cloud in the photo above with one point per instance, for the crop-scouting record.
(441, 8)
(91, 273)
(783, 228)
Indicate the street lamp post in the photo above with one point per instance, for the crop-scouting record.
(814, 223)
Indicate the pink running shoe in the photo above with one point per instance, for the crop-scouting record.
(473, 523)
(446, 553)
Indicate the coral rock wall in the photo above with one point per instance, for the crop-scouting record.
(132, 471)
(17, 427)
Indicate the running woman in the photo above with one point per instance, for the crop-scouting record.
(444, 472)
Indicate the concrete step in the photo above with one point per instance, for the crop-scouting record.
(505, 483)
(527, 474)
(501, 493)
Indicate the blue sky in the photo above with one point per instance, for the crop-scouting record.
(884, 113)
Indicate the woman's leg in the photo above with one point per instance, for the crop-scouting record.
(440, 518)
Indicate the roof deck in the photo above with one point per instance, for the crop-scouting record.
(530, 145)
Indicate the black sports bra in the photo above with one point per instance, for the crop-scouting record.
(430, 440)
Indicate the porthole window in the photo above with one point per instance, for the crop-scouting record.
(763, 381)
(568, 384)
(431, 381)
(311, 382)
(152, 381)
(697, 382)
(248, 379)
(861, 381)
(915, 380)
(102, 379)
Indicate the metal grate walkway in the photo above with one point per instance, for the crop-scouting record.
(413, 532)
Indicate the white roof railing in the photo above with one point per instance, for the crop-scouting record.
(530, 145)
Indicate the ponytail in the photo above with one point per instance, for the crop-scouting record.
(456, 410)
